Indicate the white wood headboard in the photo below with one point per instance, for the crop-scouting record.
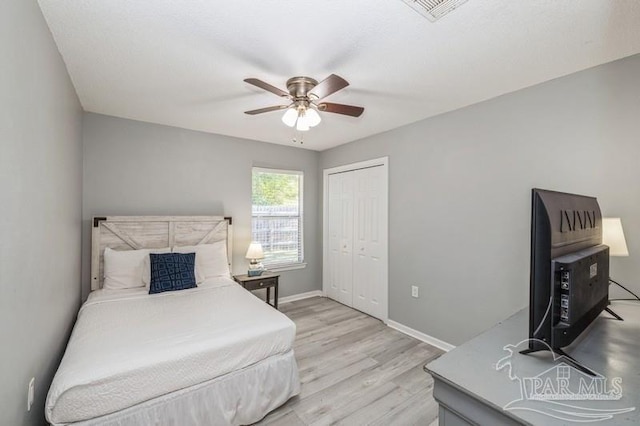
(153, 232)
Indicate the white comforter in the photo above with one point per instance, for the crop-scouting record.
(128, 347)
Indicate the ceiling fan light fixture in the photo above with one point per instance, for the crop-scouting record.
(302, 125)
(290, 116)
(312, 116)
(302, 113)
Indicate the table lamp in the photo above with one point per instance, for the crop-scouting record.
(613, 236)
(255, 254)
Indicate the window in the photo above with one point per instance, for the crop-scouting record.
(277, 216)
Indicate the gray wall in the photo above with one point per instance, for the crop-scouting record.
(134, 168)
(40, 211)
(460, 192)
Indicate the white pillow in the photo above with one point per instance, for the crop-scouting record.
(123, 269)
(211, 260)
(146, 268)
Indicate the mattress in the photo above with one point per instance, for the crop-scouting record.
(128, 347)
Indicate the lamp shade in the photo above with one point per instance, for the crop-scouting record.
(312, 116)
(613, 236)
(302, 125)
(255, 251)
(289, 118)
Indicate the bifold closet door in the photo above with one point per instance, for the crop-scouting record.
(357, 232)
(340, 223)
(369, 242)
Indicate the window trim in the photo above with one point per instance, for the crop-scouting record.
(300, 264)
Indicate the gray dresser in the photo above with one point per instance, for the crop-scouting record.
(475, 382)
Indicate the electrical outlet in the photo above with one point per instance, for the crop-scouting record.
(414, 291)
(31, 392)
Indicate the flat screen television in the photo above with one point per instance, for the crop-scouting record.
(569, 284)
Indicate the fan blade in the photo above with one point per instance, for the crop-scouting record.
(266, 86)
(267, 109)
(353, 111)
(328, 86)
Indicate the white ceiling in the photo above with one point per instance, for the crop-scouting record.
(182, 63)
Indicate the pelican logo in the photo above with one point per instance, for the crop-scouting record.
(575, 220)
(563, 392)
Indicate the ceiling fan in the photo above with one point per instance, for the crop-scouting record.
(304, 94)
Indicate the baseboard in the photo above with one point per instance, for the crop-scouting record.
(420, 336)
(288, 299)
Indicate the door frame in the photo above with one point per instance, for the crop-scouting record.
(384, 163)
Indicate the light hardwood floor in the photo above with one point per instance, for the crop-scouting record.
(355, 370)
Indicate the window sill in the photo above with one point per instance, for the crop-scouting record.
(290, 267)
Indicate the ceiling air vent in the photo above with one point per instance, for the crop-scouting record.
(434, 9)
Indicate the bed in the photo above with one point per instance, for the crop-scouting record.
(214, 354)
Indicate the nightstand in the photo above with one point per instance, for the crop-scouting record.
(266, 280)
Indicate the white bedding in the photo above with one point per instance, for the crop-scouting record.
(241, 397)
(128, 347)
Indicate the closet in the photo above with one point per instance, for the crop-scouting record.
(356, 238)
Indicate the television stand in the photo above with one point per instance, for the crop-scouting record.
(471, 392)
(570, 360)
(613, 314)
(568, 357)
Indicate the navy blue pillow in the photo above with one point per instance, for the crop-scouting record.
(172, 271)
